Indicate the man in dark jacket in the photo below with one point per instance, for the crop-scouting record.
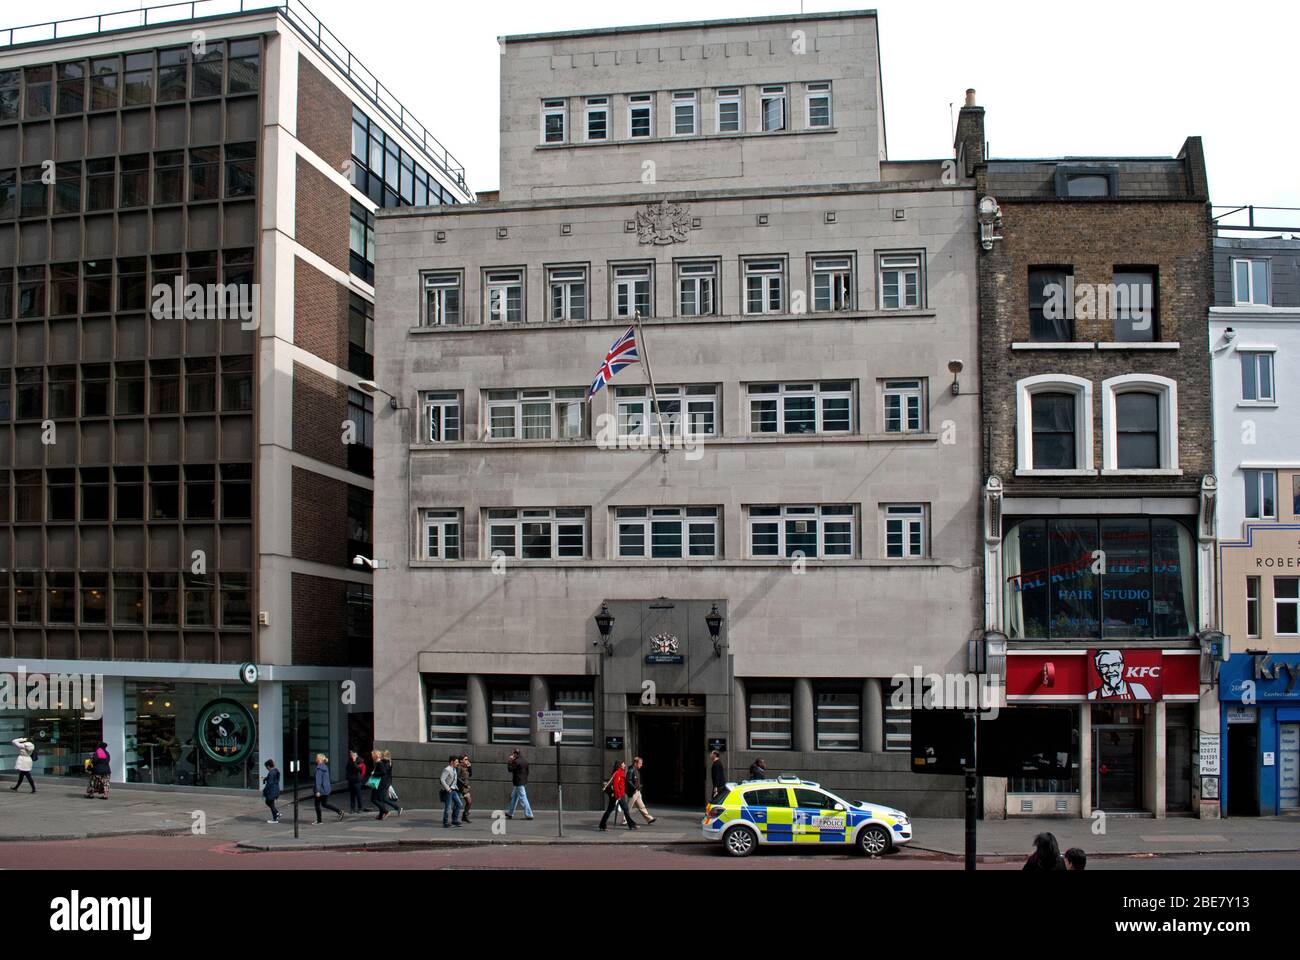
(271, 791)
(758, 769)
(718, 774)
(518, 768)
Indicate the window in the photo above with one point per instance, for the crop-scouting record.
(819, 105)
(448, 711)
(730, 117)
(442, 299)
(1286, 601)
(505, 296)
(1135, 306)
(770, 725)
(632, 290)
(237, 491)
(441, 535)
(905, 532)
(39, 94)
(511, 715)
(667, 532)
(104, 83)
(200, 385)
(1054, 413)
(838, 719)
(442, 417)
(902, 286)
(164, 493)
(537, 414)
(832, 283)
(241, 170)
(764, 286)
(684, 113)
(538, 534)
(34, 197)
(361, 414)
(1051, 304)
(640, 115)
(169, 176)
(697, 287)
(199, 601)
(1261, 494)
(133, 190)
(1054, 431)
(237, 388)
(1257, 377)
(1087, 185)
(772, 108)
(1140, 423)
(568, 293)
(1295, 494)
(1086, 180)
(794, 408)
(801, 531)
(636, 416)
(597, 118)
(100, 184)
(205, 173)
(1137, 425)
(67, 188)
(173, 65)
(1252, 606)
(128, 599)
(200, 492)
(235, 593)
(361, 242)
(897, 712)
(904, 406)
(361, 336)
(576, 701)
(1250, 283)
(10, 98)
(72, 90)
(244, 58)
(138, 78)
(209, 70)
(553, 121)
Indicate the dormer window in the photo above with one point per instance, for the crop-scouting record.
(1082, 181)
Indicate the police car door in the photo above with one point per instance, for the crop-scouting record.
(815, 818)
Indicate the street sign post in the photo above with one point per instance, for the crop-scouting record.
(552, 721)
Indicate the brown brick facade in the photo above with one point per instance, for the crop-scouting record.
(321, 216)
(319, 621)
(324, 116)
(320, 506)
(320, 405)
(320, 314)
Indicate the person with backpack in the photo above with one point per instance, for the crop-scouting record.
(26, 757)
(616, 790)
(271, 790)
(323, 787)
(356, 776)
(100, 771)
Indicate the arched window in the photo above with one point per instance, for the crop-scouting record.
(1054, 417)
(1140, 424)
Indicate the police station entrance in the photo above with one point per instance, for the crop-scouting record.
(669, 737)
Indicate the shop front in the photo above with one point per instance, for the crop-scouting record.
(1260, 693)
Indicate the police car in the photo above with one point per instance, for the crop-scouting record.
(791, 810)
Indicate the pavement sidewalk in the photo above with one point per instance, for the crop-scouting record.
(60, 811)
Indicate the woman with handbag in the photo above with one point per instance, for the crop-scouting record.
(100, 771)
(381, 778)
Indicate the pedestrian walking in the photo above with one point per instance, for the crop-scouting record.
(355, 773)
(26, 757)
(271, 790)
(381, 778)
(323, 787)
(463, 782)
(616, 790)
(1075, 859)
(718, 775)
(393, 798)
(449, 792)
(101, 770)
(518, 768)
(758, 769)
(1046, 855)
(634, 790)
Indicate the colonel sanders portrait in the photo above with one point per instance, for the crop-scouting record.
(1110, 667)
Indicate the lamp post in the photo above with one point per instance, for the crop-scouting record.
(714, 621)
(605, 624)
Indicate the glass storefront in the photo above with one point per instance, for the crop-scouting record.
(163, 736)
(64, 740)
(1045, 745)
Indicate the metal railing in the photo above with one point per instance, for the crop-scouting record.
(1228, 217)
(306, 23)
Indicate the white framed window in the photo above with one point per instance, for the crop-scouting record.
(537, 534)
(441, 535)
(685, 113)
(764, 285)
(1250, 283)
(636, 414)
(1261, 494)
(904, 405)
(799, 408)
(901, 279)
(905, 533)
(640, 116)
(442, 295)
(772, 106)
(504, 294)
(832, 283)
(1252, 607)
(558, 413)
(568, 292)
(554, 121)
(1286, 605)
(442, 417)
(1139, 421)
(631, 289)
(818, 102)
(730, 110)
(1054, 425)
(666, 533)
(1257, 376)
(697, 288)
(808, 531)
(597, 117)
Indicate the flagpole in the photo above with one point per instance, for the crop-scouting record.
(654, 392)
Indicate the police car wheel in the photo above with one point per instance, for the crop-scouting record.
(873, 841)
(740, 841)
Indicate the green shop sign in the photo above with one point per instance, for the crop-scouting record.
(226, 731)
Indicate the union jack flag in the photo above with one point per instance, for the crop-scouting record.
(623, 353)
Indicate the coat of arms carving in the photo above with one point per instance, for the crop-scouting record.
(662, 222)
(665, 644)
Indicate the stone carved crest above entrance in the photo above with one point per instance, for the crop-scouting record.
(662, 223)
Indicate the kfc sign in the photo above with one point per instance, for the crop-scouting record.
(1111, 675)
(1125, 675)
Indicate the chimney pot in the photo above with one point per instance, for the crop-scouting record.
(970, 97)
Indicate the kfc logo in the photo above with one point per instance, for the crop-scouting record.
(1119, 675)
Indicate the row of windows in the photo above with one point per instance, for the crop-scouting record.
(126, 599)
(1286, 606)
(386, 173)
(563, 533)
(1262, 494)
(788, 409)
(93, 494)
(594, 116)
(1130, 303)
(127, 388)
(136, 79)
(136, 180)
(764, 287)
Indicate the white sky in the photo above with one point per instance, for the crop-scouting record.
(1105, 77)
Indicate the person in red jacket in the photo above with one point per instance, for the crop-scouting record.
(616, 791)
